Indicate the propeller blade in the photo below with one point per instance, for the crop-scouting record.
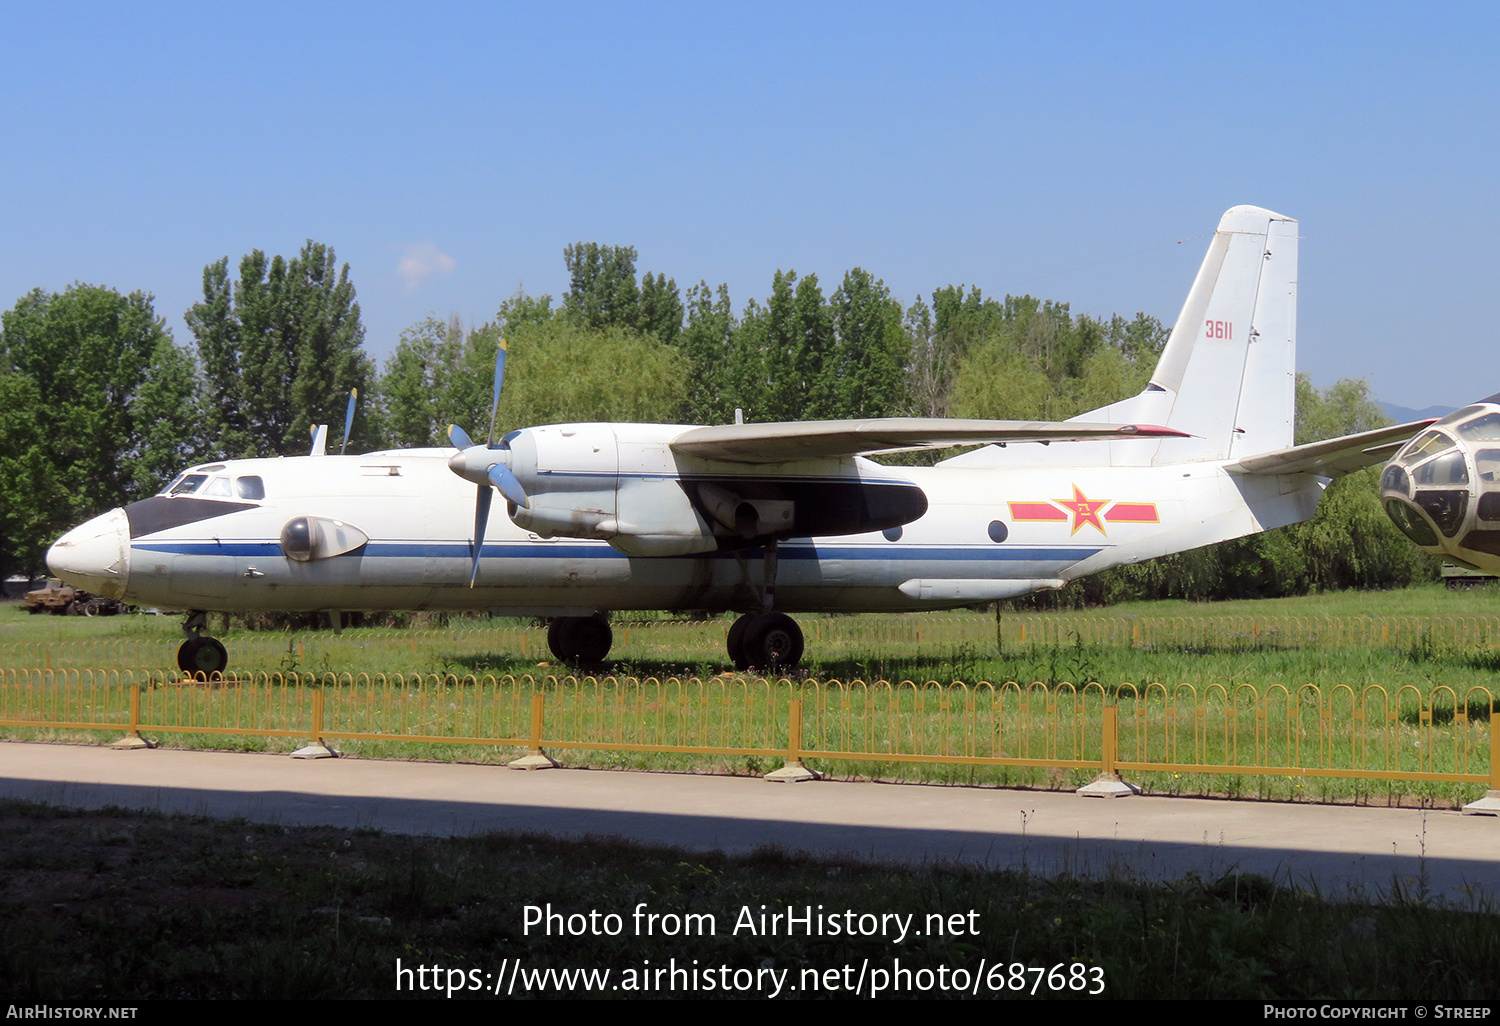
(499, 379)
(481, 519)
(504, 479)
(459, 437)
(349, 419)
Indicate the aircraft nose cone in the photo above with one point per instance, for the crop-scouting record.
(95, 556)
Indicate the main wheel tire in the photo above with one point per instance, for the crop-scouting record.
(580, 640)
(202, 655)
(735, 642)
(773, 642)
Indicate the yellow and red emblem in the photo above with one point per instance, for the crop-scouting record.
(1083, 510)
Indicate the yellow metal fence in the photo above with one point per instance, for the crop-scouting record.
(1371, 733)
(914, 635)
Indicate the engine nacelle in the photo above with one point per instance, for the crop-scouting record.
(624, 484)
(1443, 488)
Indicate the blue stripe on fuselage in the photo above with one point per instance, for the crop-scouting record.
(563, 550)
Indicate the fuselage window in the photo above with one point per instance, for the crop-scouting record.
(1481, 429)
(218, 486)
(250, 487)
(187, 484)
(1487, 463)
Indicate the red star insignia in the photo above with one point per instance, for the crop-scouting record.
(1084, 510)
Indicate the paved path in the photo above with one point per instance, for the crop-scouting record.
(1340, 850)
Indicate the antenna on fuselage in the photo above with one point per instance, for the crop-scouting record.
(349, 419)
(319, 440)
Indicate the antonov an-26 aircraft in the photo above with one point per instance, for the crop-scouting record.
(763, 519)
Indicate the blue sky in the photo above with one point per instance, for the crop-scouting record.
(1081, 152)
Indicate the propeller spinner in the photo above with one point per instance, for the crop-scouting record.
(486, 465)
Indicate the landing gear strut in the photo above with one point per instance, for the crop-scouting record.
(766, 640)
(580, 640)
(200, 653)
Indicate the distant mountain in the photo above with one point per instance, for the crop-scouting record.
(1402, 414)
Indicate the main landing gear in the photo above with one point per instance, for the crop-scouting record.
(580, 640)
(766, 640)
(200, 653)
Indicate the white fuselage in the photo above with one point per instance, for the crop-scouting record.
(988, 534)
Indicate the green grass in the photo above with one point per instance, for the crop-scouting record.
(1435, 653)
(116, 907)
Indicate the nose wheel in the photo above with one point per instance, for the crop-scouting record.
(200, 653)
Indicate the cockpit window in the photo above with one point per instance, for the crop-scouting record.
(218, 486)
(187, 484)
(250, 487)
(1445, 470)
(1428, 443)
(1484, 428)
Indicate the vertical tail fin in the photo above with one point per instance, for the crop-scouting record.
(1227, 376)
(1229, 368)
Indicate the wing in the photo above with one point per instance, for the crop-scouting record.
(1333, 457)
(814, 439)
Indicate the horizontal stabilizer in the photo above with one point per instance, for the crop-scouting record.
(1333, 457)
(817, 439)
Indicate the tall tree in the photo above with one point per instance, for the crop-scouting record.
(660, 308)
(110, 405)
(871, 349)
(706, 342)
(35, 505)
(560, 372)
(417, 377)
(602, 291)
(281, 349)
(522, 308)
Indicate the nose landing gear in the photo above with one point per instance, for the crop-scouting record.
(200, 653)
